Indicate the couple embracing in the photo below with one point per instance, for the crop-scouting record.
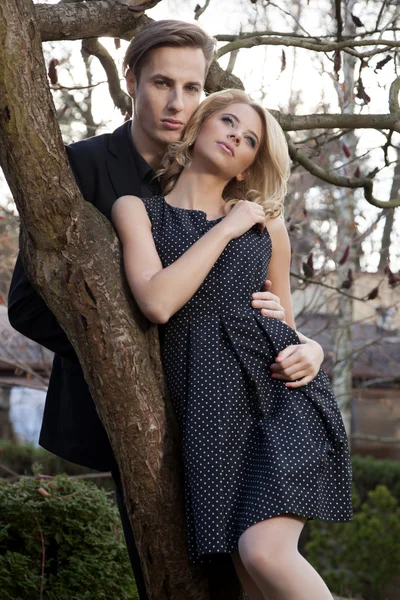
(195, 193)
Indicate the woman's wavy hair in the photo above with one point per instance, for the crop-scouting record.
(266, 179)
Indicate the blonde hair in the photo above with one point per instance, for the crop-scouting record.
(266, 179)
(167, 33)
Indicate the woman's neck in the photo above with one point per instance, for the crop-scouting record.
(199, 191)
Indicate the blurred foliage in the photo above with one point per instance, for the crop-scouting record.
(61, 539)
(22, 458)
(361, 558)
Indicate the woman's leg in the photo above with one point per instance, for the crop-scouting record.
(250, 587)
(270, 555)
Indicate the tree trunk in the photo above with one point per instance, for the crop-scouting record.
(72, 255)
(389, 220)
(342, 372)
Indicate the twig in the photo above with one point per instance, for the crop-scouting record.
(201, 10)
(43, 558)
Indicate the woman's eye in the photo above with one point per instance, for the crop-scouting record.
(228, 120)
(251, 141)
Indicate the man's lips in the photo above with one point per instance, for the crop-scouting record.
(227, 148)
(172, 124)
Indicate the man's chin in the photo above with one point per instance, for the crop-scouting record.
(167, 137)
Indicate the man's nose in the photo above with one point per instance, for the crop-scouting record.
(176, 101)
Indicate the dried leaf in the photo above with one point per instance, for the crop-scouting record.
(345, 256)
(283, 61)
(43, 492)
(393, 278)
(346, 284)
(361, 93)
(346, 150)
(337, 63)
(383, 62)
(52, 72)
(307, 270)
(357, 172)
(357, 22)
(117, 43)
(373, 294)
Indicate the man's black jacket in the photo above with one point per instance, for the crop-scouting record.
(105, 167)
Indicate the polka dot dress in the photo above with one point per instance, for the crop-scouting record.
(253, 449)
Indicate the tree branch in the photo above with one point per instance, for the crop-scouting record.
(120, 98)
(345, 45)
(349, 182)
(83, 20)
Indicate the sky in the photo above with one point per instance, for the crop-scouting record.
(309, 77)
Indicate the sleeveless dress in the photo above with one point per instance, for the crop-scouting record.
(252, 448)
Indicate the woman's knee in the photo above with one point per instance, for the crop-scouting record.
(269, 547)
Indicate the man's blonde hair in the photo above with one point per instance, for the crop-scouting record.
(266, 179)
(167, 33)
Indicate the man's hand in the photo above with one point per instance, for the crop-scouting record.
(268, 303)
(298, 365)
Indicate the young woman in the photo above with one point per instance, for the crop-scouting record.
(260, 458)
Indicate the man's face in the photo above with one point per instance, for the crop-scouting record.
(165, 97)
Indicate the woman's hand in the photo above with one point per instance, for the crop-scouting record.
(268, 303)
(242, 217)
(298, 364)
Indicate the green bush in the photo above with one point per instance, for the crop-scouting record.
(368, 472)
(70, 529)
(362, 557)
(21, 459)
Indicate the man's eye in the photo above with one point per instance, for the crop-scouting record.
(193, 89)
(160, 83)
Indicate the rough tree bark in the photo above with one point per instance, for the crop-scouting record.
(71, 253)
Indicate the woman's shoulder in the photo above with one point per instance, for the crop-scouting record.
(276, 226)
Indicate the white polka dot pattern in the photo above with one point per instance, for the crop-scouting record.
(253, 449)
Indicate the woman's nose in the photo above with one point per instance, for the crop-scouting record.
(234, 137)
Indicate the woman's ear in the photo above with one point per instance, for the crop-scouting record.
(130, 83)
(242, 176)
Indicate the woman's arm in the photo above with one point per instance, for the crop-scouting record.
(161, 292)
(299, 364)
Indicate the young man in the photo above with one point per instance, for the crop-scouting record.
(166, 66)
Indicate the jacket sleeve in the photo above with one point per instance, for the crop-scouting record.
(27, 312)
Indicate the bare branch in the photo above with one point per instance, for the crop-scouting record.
(201, 10)
(345, 45)
(350, 182)
(119, 97)
(338, 121)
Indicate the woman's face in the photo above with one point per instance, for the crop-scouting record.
(229, 140)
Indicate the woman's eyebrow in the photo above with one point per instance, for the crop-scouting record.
(238, 122)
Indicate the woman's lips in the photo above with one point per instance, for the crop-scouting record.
(172, 124)
(227, 148)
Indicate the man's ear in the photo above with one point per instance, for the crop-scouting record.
(130, 83)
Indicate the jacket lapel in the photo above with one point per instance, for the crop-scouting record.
(120, 164)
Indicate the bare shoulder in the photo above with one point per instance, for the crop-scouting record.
(126, 207)
(124, 203)
(277, 230)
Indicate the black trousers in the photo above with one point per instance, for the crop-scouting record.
(129, 539)
(214, 568)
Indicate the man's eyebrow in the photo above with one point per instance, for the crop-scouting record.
(238, 121)
(161, 76)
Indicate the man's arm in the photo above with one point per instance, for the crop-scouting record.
(27, 312)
